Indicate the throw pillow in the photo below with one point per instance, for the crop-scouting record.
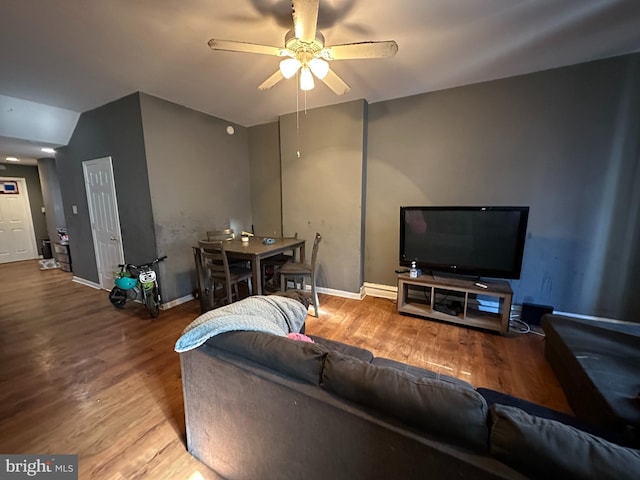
(547, 448)
(300, 337)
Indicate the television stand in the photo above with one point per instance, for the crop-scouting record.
(429, 296)
(451, 276)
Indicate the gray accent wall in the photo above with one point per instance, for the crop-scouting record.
(198, 180)
(266, 191)
(177, 174)
(564, 142)
(114, 130)
(322, 188)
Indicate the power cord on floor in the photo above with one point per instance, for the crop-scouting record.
(518, 326)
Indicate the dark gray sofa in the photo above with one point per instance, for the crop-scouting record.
(260, 406)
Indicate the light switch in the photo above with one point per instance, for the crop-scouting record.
(74, 209)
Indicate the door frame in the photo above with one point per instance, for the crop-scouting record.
(22, 187)
(90, 205)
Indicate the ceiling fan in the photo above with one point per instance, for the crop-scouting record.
(306, 52)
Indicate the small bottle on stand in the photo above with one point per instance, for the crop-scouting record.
(413, 271)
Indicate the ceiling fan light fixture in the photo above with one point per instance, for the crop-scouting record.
(306, 79)
(289, 67)
(307, 55)
(319, 67)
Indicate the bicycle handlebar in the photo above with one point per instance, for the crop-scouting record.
(128, 265)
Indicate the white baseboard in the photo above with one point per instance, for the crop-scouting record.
(379, 290)
(88, 283)
(176, 302)
(328, 291)
(368, 289)
(341, 293)
(337, 293)
(164, 306)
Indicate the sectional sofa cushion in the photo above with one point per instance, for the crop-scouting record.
(419, 372)
(493, 396)
(300, 360)
(352, 350)
(547, 448)
(435, 406)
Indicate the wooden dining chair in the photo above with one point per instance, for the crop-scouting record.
(216, 266)
(301, 271)
(223, 234)
(275, 263)
(226, 234)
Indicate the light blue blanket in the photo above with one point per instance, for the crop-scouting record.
(270, 314)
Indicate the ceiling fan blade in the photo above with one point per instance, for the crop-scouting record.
(271, 81)
(335, 83)
(305, 19)
(360, 50)
(233, 46)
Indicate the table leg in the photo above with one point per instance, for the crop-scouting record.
(256, 278)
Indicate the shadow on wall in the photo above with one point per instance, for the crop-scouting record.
(618, 236)
(553, 270)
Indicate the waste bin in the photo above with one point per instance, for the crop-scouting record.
(46, 248)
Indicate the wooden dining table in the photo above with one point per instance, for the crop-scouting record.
(254, 251)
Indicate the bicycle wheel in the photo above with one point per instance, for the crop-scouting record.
(118, 297)
(152, 302)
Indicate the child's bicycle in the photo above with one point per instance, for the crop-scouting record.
(133, 280)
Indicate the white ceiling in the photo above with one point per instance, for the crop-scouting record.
(78, 55)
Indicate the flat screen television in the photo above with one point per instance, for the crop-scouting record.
(469, 241)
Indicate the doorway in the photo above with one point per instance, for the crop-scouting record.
(105, 221)
(17, 237)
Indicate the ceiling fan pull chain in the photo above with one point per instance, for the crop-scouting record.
(297, 116)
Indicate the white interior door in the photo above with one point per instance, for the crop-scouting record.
(105, 222)
(17, 239)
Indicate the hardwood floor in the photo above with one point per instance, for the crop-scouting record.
(78, 376)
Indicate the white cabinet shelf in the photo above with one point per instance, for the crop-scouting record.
(421, 296)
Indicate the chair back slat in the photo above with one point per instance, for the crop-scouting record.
(224, 234)
(216, 263)
(214, 250)
(300, 271)
(314, 252)
(214, 259)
